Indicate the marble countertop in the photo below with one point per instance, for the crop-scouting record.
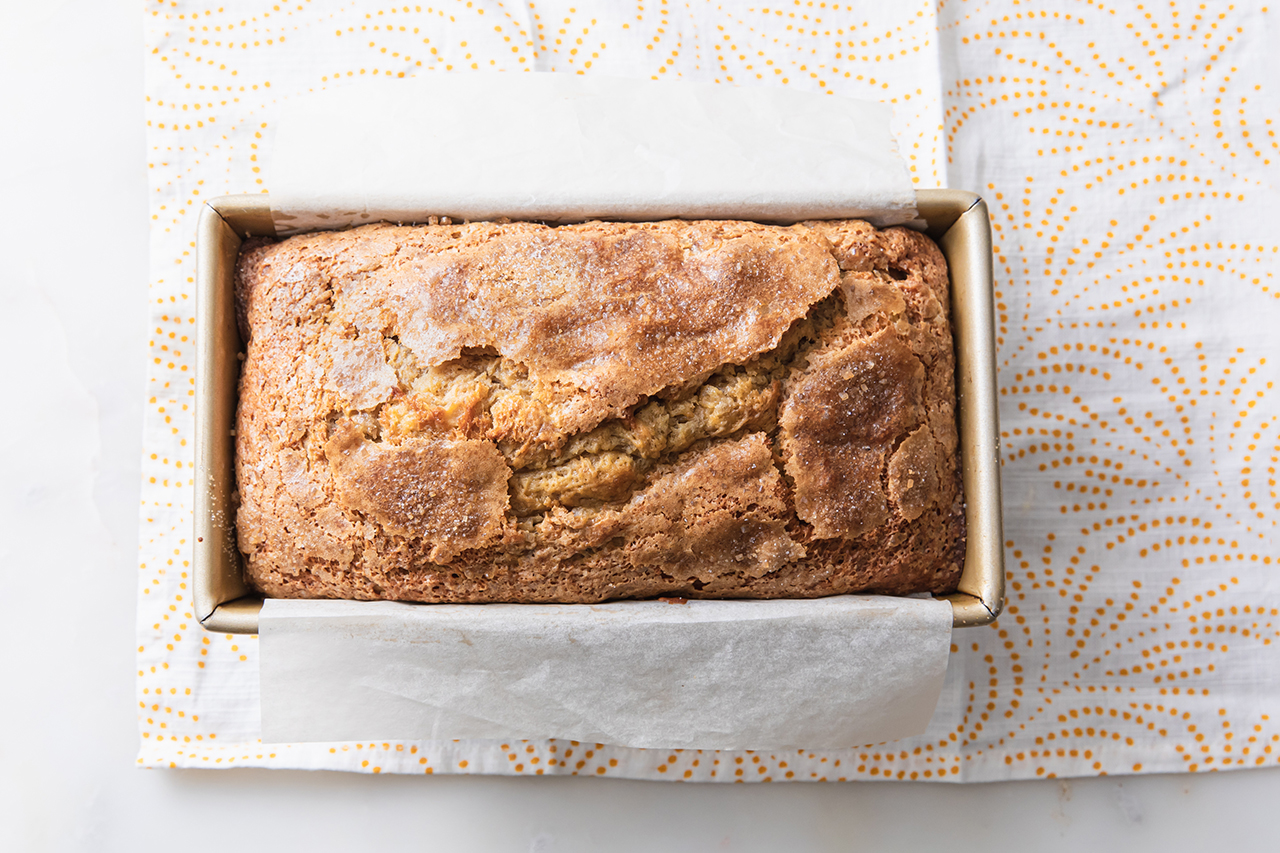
(73, 255)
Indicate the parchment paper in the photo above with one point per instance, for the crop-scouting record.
(563, 147)
(824, 673)
(828, 673)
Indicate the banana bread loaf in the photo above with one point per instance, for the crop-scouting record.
(523, 413)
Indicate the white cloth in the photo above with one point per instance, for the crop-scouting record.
(1130, 169)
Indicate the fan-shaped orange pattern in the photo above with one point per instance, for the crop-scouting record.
(1128, 154)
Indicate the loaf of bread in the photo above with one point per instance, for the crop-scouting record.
(514, 412)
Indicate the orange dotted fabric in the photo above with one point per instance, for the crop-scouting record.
(1129, 157)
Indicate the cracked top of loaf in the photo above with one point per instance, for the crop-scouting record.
(519, 412)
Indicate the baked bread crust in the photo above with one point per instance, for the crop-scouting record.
(524, 413)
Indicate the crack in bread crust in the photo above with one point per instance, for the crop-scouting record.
(397, 439)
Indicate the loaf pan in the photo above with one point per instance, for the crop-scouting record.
(956, 219)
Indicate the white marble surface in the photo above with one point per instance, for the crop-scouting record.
(73, 234)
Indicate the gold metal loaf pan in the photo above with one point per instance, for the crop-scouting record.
(957, 220)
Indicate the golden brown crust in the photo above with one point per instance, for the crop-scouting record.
(514, 412)
(839, 421)
(450, 495)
